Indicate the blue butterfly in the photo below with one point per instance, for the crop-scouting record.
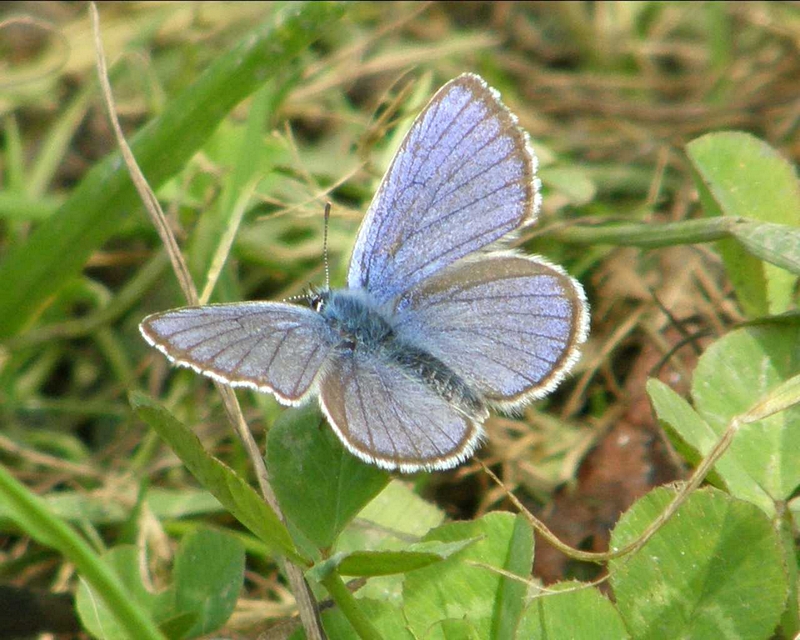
(437, 324)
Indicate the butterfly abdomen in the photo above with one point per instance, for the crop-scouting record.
(438, 376)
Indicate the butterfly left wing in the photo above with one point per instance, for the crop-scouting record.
(509, 325)
(463, 177)
(387, 417)
(268, 346)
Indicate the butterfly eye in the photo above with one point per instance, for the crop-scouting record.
(318, 300)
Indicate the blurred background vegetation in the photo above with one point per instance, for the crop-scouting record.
(610, 94)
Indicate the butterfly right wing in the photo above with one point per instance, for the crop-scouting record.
(463, 178)
(509, 325)
(271, 347)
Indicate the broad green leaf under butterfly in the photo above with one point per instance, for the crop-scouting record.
(395, 516)
(320, 485)
(790, 621)
(452, 629)
(742, 176)
(701, 573)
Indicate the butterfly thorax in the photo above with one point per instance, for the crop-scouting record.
(352, 315)
(362, 328)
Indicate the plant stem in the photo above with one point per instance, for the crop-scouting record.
(349, 606)
(648, 235)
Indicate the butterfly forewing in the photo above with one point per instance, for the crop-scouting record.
(463, 178)
(273, 347)
(509, 325)
(388, 418)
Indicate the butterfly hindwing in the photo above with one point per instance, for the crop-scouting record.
(391, 419)
(509, 325)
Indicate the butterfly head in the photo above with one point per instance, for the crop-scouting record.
(318, 298)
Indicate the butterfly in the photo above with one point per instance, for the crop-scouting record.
(438, 322)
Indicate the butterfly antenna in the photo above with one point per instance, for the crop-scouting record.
(325, 246)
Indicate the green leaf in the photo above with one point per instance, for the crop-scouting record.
(57, 251)
(778, 244)
(741, 176)
(396, 516)
(714, 570)
(208, 576)
(178, 626)
(735, 373)
(644, 235)
(14, 157)
(570, 181)
(678, 416)
(19, 206)
(387, 618)
(93, 610)
(780, 398)
(319, 484)
(233, 492)
(384, 563)
(452, 629)
(511, 595)
(790, 621)
(75, 506)
(458, 588)
(54, 147)
(577, 613)
(207, 579)
(30, 513)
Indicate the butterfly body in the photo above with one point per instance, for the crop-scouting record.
(437, 322)
(361, 329)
